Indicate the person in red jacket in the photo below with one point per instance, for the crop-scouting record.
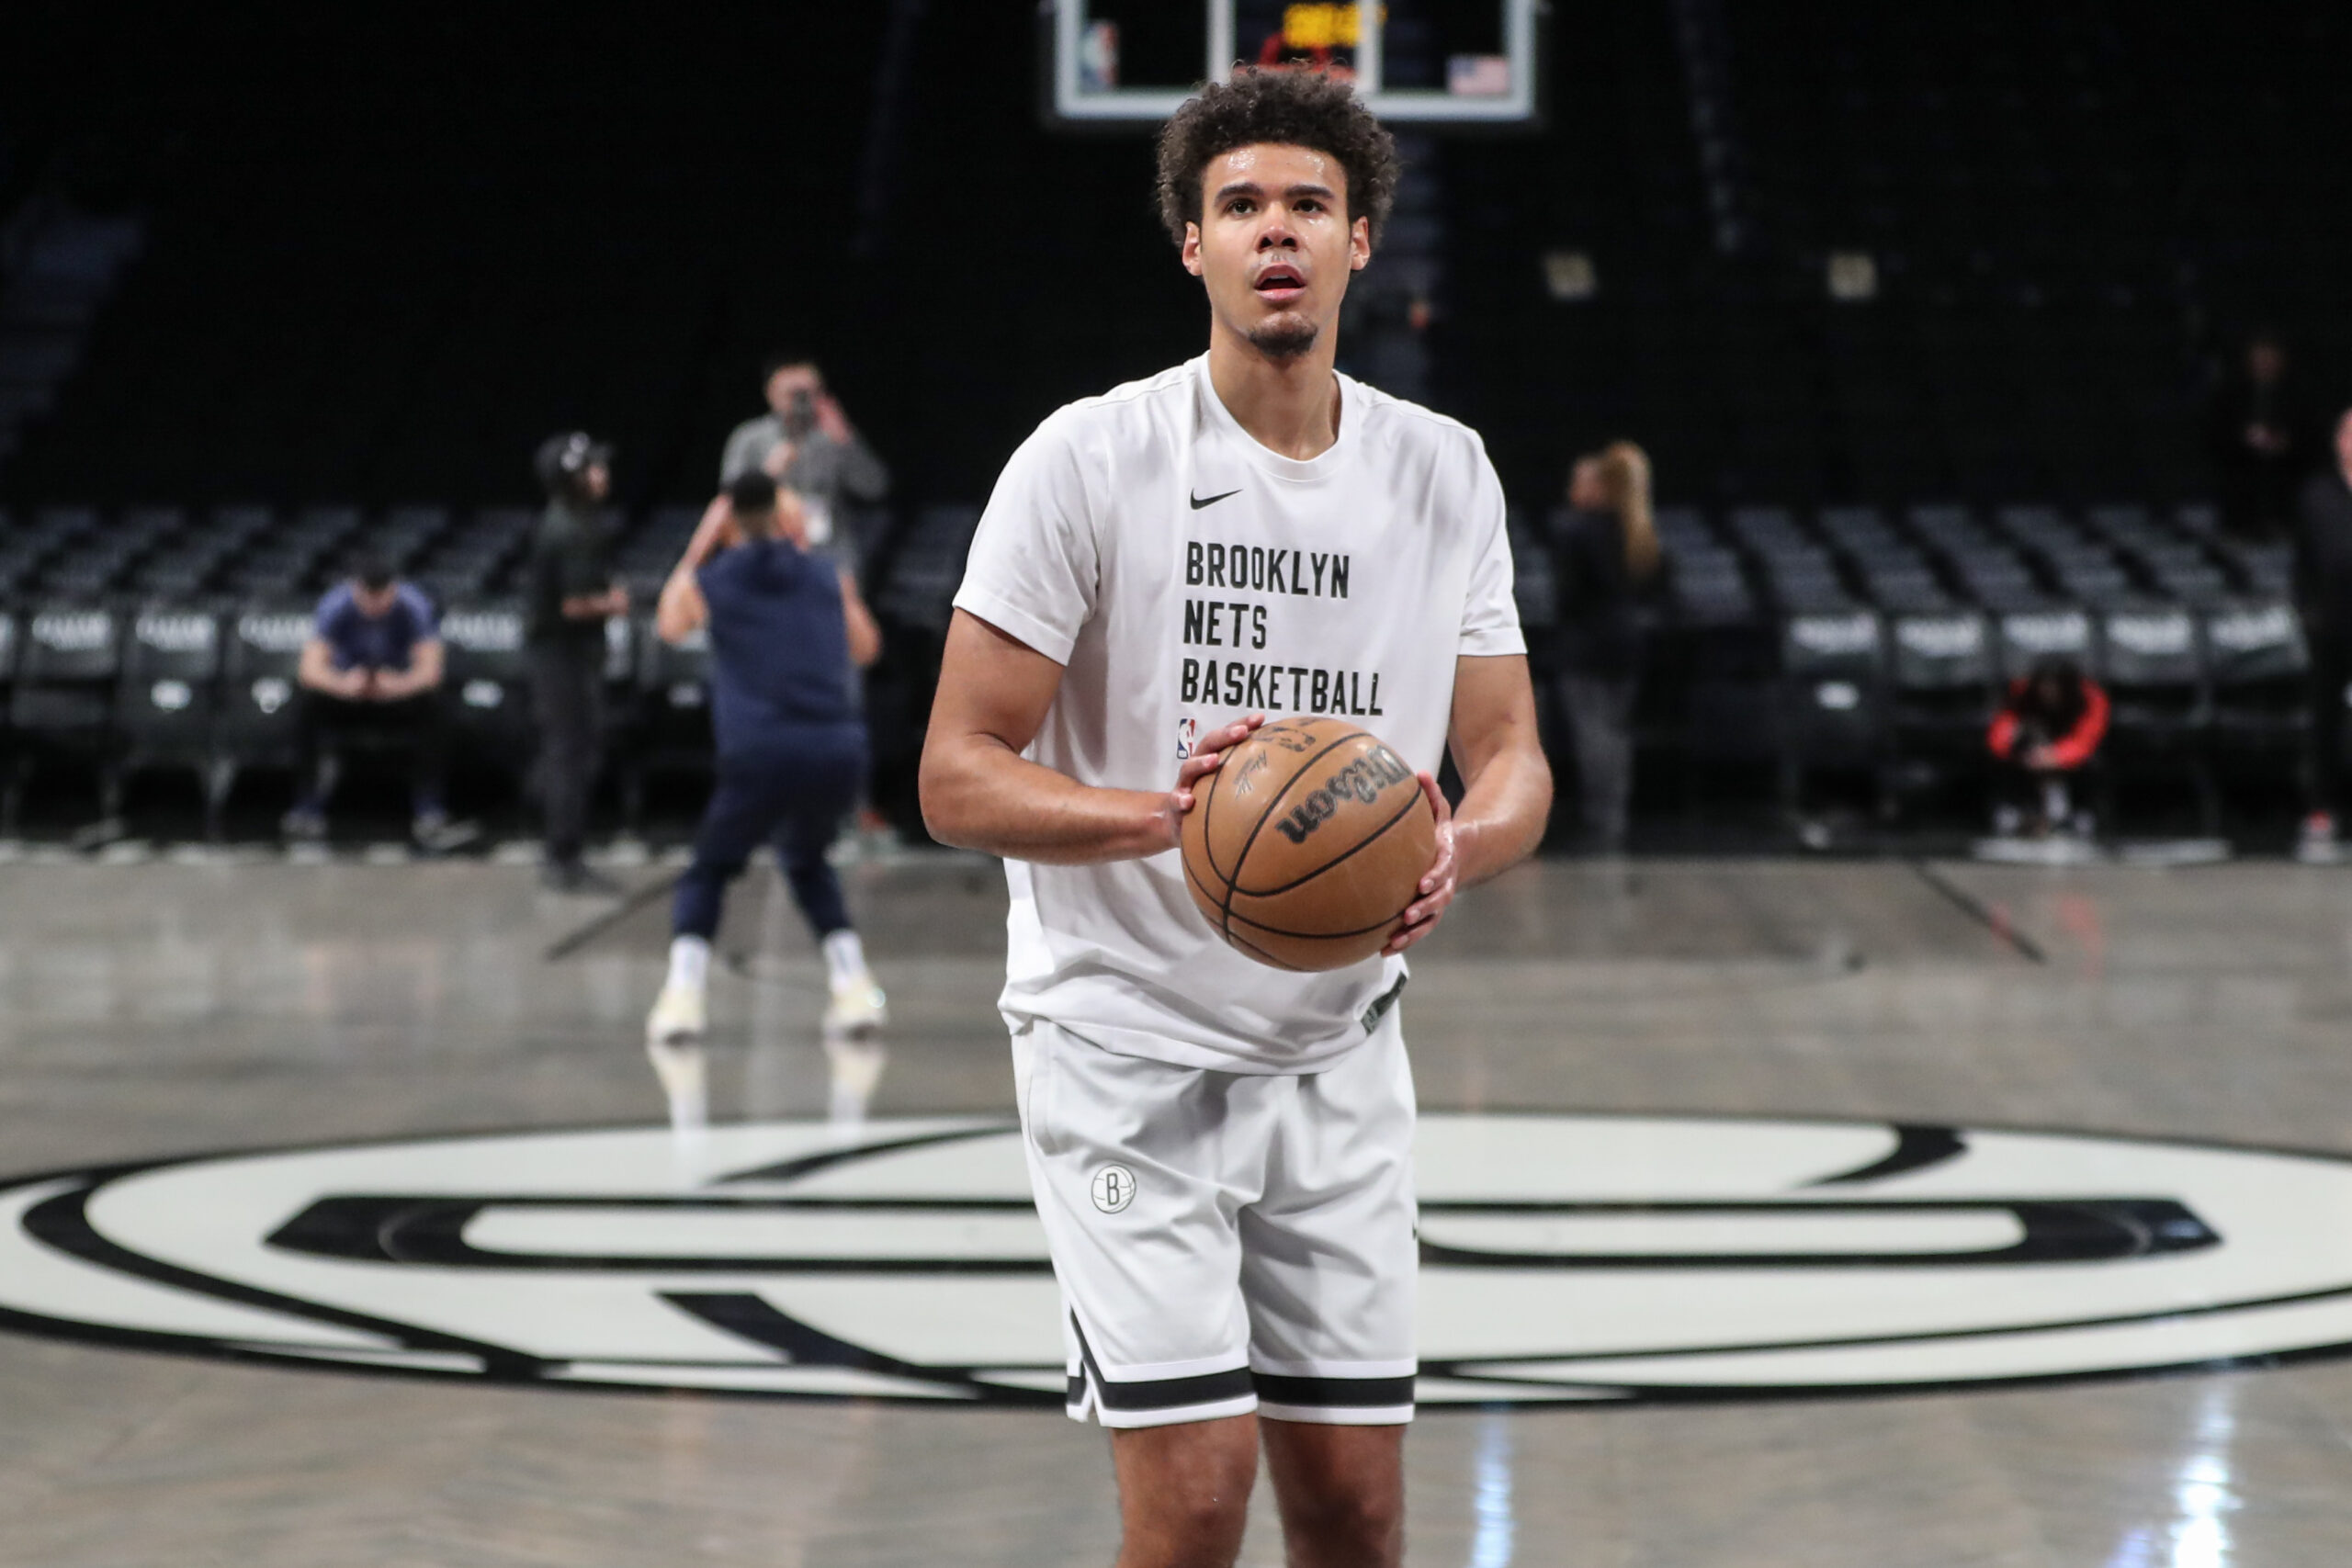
(2049, 727)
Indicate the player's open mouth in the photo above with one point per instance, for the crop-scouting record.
(1279, 284)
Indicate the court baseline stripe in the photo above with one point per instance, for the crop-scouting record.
(631, 902)
(1968, 904)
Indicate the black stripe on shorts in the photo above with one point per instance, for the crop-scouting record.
(1334, 1393)
(1163, 1393)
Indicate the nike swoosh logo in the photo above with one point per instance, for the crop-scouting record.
(1200, 501)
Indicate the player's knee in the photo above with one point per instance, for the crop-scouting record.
(1350, 1525)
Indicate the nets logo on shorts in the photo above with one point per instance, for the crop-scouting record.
(1113, 1189)
(1564, 1258)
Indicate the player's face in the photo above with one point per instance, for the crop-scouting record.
(1274, 244)
(374, 603)
(2344, 442)
(597, 481)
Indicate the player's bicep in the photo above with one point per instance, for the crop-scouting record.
(993, 686)
(1494, 711)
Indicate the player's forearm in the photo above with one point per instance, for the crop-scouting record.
(978, 793)
(1502, 818)
(680, 609)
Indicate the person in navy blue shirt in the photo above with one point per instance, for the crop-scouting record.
(373, 665)
(788, 635)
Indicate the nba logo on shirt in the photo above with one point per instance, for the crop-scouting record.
(1188, 731)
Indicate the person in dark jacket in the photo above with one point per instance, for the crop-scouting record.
(2324, 595)
(2048, 729)
(788, 633)
(1603, 550)
(572, 593)
(2261, 440)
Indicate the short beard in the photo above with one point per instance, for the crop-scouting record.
(1284, 337)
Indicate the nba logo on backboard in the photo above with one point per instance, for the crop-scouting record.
(1187, 732)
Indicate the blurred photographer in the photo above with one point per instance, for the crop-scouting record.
(806, 445)
(571, 594)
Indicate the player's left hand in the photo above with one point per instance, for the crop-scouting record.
(1438, 883)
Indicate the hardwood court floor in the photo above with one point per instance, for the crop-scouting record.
(162, 1010)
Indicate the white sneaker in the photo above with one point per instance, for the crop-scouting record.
(2317, 843)
(677, 1015)
(858, 1008)
(684, 1084)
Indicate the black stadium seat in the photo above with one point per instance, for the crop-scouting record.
(2258, 666)
(1942, 675)
(8, 644)
(2026, 636)
(63, 698)
(487, 682)
(2161, 709)
(169, 698)
(256, 724)
(1834, 710)
(672, 734)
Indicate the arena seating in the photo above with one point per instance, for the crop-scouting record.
(1894, 634)
(1844, 639)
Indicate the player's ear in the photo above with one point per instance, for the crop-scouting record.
(1359, 244)
(1192, 249)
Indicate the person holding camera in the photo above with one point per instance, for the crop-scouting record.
(806, 445)
(571, 592)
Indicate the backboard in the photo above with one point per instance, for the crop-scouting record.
(1439, 64)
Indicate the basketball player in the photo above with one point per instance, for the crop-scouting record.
(1220, 1151)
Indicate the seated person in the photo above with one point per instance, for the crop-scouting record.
(372, 667)
(2049, 727)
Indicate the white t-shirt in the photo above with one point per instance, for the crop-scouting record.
(1183, 575)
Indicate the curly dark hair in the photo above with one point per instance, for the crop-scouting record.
(1298, 109)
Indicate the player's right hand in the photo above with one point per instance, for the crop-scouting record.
(1207, 752)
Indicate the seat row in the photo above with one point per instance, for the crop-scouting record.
(110, 694)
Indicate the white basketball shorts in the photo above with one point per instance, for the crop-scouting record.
(1227, 1242)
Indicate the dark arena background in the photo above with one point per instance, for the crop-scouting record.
(1900, 1115)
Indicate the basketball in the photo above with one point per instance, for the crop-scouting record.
(1306, 844)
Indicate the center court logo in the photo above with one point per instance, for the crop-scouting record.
(1564, 1258)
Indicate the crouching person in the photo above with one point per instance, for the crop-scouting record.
(2048, 730)
(788, 633)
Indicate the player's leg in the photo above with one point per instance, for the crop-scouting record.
(316, 716)
(1329, 1266)
(1340, 1490)
(740, 812)
(2331, 667)
(568, 694)
(1184, 1492)
(1137, 1167)
(426, 724)
(820, 791)
(1597, 709)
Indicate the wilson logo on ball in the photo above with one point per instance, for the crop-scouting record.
(1360, 781)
